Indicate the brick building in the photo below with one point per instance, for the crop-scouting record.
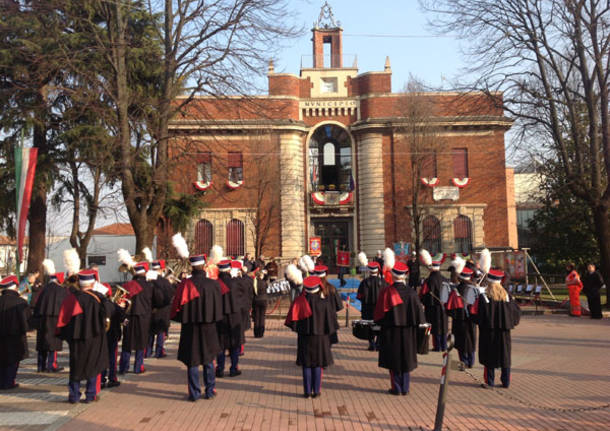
(328, 153)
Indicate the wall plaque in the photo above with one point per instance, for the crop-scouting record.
(446, 193)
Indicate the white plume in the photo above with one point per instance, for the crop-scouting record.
(216, 254)
(389, 258)
(71, 261)
(306, 263)
(49, 266)
(151, 275)
(179, 244)
(362, 259)
(99, 287)
(125, 258)
(458, 264)
(148, 257)
(293, 274)
(485, 261)
(425, 257)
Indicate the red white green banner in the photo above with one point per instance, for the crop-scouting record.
(25, 168)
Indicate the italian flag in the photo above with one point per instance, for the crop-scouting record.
(25, 167)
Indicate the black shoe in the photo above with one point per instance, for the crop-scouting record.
(87, 401)
(235, 373)
(405, 393)
(306, 395)
(220, 374)
(209, 397)
(103, 385)
(315, 395)
(393, 392)
(113, 384)
(371, 348)
(121, 373)
(191, 399)
(57, 370)
(163, 355)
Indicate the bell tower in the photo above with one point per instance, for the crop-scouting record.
(327, 43)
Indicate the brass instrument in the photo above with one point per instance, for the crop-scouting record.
(119, 297)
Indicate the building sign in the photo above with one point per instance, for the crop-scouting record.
(343, 258)
(401, 250)
(315, 246)
(446, 193)
(329, 103)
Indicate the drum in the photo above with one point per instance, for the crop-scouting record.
(364, 329)
(423, 338)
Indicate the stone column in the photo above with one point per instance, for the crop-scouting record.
(370, 193)
(292, 197)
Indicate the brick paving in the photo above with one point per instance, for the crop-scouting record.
(558, 362)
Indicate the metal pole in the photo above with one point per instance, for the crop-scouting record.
(442, 392)
(347, 312)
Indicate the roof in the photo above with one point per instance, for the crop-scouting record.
(115, 229)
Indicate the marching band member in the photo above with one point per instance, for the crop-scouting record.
(113, 336)
(161, 315)
(197, 305)
(313, 318)
(82, 323)
(247, 295)
(463, 326)
(295, 278)
(230, 330)
(368, 292)
(46, 313)
(14, 316)
(333, 296)
(259, 303)
(431, 298)
(399, 313)
(496, 314)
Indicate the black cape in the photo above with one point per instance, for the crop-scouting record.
(136, 332)
(46, 312)
(230, 328)
(495, 320)
(163, 296)
(368, 291)
(463, 326)
(14, 315)
(82, 323)
(198, 311)
(399, 313)
(314, 319)
(246, 296)
(435, 310)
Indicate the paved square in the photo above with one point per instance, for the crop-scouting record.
(558, 363)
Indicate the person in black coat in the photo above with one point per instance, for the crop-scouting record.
(368, 292)
(463, 326)
(413, 265)
(399, 313)
(311, 316)
(435, 309)
(496, 313)
(197, 305)
(136, 332)
(82, 323)
(160, 319)
(14, 316)
(230, 329)
(259, 303)
(46, 313)
(333, 296)
(592, 282)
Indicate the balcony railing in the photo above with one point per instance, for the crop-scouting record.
(345, 61)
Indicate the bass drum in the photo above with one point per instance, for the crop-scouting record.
(423, 338)
(362, 329)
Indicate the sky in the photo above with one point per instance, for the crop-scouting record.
(435, 60)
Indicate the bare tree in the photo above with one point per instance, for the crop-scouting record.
(551, 60)
(419, 134)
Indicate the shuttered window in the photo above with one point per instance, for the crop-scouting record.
(460, 163)
(204, 236)
(235, 163)
(428, 165)
(204, 167)
(431, 234)
(462, 232)
(235, 238)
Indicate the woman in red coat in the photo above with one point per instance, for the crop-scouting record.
(574, 286)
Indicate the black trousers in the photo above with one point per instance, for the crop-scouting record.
(258, 315)
(595, 305)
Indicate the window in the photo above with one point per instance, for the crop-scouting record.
(428, 166)
(235, 238)
(96, 260)
(236, 167)
(462, 232)
(432, 234)
(330, 159)
(204, 236)
(204, 167)
(328, 85)
(460, 163)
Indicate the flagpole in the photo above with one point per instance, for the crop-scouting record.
(19, 146)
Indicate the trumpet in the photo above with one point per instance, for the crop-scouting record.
(119, 298)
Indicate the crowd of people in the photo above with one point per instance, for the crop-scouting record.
(218, 299)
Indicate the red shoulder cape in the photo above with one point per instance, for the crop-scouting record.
(223, 287)
(185, 292)
(133, 287)
(299, 310)
(388, 299)
(69, 308)
(455, 301)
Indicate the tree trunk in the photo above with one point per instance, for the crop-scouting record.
(602, 232)
(37, 215)
(144, 233)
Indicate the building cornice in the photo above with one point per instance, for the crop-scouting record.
(457, 122)
(237, 125)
